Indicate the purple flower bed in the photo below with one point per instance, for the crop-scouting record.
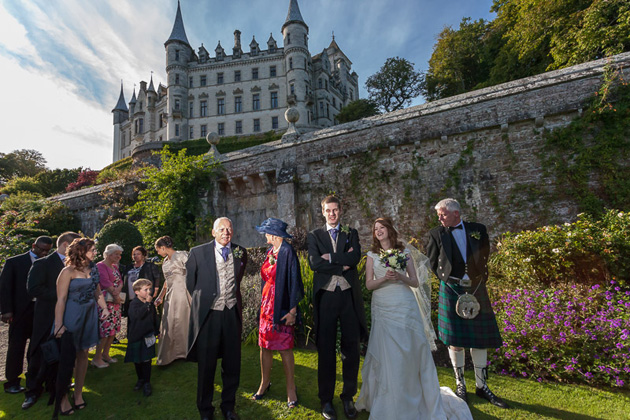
(568, 334)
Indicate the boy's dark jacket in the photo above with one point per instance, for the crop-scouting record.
(143, 320)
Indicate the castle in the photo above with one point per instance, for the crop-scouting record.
(239, 94)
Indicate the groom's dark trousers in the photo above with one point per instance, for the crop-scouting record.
(338, 306)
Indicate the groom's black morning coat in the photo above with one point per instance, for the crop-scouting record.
(319, 243)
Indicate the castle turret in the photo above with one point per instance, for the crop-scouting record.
(296, 58)
(121, 114)
(178, 54)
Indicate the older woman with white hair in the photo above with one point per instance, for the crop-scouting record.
(111, 284)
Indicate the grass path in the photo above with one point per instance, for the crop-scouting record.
(110, 395)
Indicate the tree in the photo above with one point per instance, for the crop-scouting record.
(86, 178)
(459, 61)
(24, 162)
(120, 232)
(395, 84)
(170, 203)
(355, 110)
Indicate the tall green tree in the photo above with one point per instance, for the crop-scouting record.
(170, 204)
(395, 84)
(460, 60)
(355, 110)
(23, 162)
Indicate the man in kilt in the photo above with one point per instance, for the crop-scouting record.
(458, 252)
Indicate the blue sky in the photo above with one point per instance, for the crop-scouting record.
(62, 60)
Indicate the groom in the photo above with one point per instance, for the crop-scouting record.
(333, 254)
(458, 252)
(213, 278)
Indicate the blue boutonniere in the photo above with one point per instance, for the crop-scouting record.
(237, 252)
(476, 235)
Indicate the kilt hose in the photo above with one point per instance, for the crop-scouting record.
(479, 333)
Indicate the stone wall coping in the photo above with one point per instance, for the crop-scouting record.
(504, 90)
(86, 191)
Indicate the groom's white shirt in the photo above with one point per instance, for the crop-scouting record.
(335, 280)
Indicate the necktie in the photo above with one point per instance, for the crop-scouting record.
(333, 233)
(225, 251)
(452, 228)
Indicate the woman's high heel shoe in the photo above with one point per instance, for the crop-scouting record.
(259, 397)
(293, 404)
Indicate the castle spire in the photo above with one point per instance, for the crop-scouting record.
(121, 105)
(294, 15)
(133, 98)
(178, 33)
(151, 88)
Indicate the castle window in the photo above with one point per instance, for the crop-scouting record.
(290, 63)
(255, 73)
(288, 38)
(237, 75)
(327, 111)
(305, 64)
(221, 129)
(140, 106)
(256, 125)
(202, 80)
(256, 101)
(204, 130)
(191, 106)
(203, 109)
(160, 120)
(219, 78)
(191, 132)
(274, 99)
(334, 102)
(320, 84)
(177, 105)
(274, 123)
(190, 82)
(351, 96)
(272, 71)
(176, 55)
(220, 106)
(238, 127)
(305, 43)
(238, 104)
(176, 130)
(326, 83)
(292, 89)
(321, 109)
(177, 79)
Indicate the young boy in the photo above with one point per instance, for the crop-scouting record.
(141, 332)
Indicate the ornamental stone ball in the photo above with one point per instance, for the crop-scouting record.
(292, 115)
(212, 138)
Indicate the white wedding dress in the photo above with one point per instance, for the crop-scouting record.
(399, 376)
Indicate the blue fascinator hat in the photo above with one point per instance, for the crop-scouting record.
(275, 227)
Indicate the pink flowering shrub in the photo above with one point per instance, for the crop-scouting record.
(567, 334)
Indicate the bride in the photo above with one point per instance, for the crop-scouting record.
(399, 376)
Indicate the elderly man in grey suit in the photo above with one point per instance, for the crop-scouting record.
(213, 278)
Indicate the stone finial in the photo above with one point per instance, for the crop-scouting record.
(292, 115)
(213, 139)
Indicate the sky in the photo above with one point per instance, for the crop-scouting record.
(62, 61)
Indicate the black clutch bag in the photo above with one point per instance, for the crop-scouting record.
(50, 349)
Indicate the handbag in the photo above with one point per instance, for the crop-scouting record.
(51, 348)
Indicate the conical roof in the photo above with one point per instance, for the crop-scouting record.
(133, 98)
(121, 105)
(294, 15)
(151, 88)
(178, 33)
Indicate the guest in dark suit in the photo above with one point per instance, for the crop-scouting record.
(17, 308)
(42, 285)
(458, 252)
(213, 279)
(140, 269)
(333, 254)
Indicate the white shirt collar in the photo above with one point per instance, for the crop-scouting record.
(61, 256)
(328, 227)
(219, 247)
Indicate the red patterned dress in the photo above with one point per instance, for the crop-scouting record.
(272, 337)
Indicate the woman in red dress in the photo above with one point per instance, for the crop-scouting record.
(282, 290)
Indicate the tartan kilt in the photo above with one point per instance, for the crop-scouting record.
(479, 333)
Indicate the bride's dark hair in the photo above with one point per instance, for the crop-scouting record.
(391, 233)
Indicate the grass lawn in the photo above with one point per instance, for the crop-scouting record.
(109, 393)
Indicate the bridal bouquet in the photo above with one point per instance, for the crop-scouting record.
(394, 259)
